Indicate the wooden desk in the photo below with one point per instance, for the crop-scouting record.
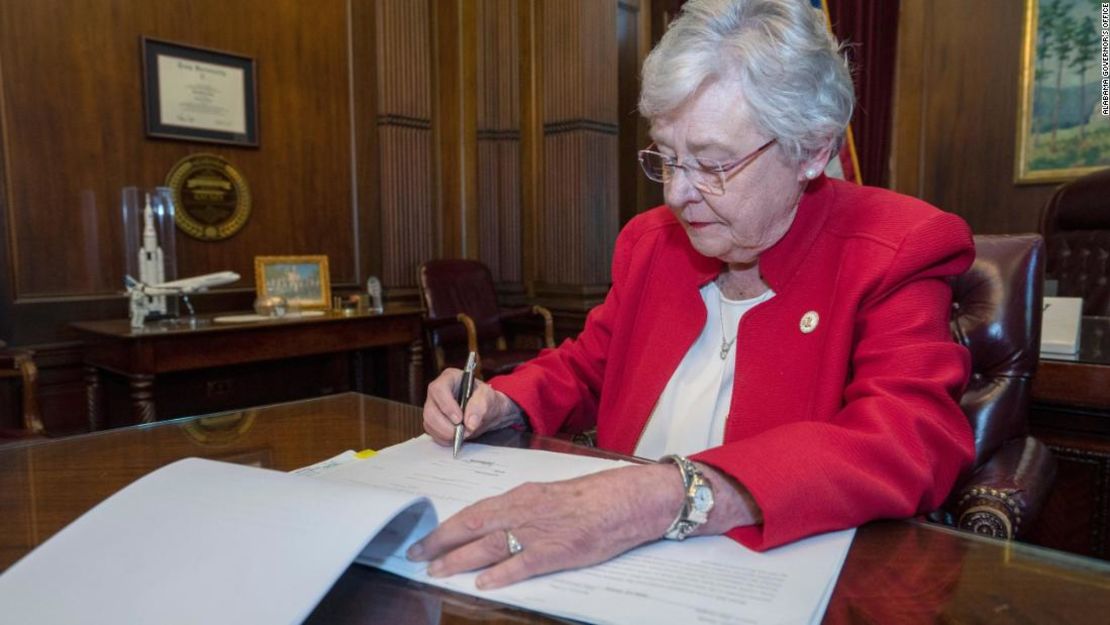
(1083, 381)
(1071, 414)
(896, 572)
(158, 348)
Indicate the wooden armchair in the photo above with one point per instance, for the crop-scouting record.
(19, 364)
(462, 315)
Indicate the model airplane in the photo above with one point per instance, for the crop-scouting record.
(140, 292)
(184, 285)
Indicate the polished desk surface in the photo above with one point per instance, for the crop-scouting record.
(1082, 380)
(896, 572)
(121, 328)
(160, 347)
(1094, 343)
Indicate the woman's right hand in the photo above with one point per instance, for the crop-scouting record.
(488, 409)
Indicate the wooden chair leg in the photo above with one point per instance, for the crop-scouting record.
(548, 325)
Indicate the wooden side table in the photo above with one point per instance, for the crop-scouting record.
(1071, 414)
(139, 356)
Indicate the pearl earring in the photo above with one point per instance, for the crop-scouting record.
(811, 173)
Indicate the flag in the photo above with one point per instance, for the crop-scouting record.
(846, 166)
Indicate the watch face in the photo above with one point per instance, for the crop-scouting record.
(703, 499)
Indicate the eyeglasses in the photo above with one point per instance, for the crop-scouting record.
(708, 175)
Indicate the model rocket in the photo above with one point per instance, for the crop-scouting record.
(152, 268)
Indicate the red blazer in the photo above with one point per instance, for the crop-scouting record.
(856, 420)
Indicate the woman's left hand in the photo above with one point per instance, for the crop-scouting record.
(560, 525)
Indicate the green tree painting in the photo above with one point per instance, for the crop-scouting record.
(1063, 132)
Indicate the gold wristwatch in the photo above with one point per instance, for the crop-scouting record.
(697, 504)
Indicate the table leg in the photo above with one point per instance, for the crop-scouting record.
(358, 371)
(92, 398)
(142, 398)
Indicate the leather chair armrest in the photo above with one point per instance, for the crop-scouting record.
(9, 358)
(10, 434)
(516, 312)
(1003, 497)
(436, 323)
(542, 312)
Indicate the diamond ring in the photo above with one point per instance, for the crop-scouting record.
(514, 545)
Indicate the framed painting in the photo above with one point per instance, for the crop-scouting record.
(303, 281)
(1064, 108)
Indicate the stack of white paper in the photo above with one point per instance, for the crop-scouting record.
(208, 542)
(200, 541)
(1060, 325)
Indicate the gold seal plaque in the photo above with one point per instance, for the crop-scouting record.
(213, 199)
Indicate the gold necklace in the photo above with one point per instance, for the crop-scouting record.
(726, 346)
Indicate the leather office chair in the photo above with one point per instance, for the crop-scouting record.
(996, 314)
(1075, 224)
(19, 364)
(461, 315)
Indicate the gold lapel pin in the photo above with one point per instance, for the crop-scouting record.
(809, 322)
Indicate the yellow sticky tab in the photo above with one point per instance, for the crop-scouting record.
(365, 453)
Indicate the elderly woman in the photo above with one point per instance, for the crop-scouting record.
(786, 332)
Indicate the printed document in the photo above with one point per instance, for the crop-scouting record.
(264, 547)
(708, 579)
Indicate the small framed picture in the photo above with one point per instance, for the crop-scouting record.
(198, 94)
(302, 280)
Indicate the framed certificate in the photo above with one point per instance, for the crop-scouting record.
(196, 94)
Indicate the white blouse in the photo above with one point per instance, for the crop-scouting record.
(690, 414)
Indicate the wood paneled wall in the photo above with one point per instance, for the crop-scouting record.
(636, 35)
(409, 229)
(579, 216)
(523, 140)
(498, 136)
(955, 112)
(73, 137)
(391, 132)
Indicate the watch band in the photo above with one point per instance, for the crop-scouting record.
(697, 503)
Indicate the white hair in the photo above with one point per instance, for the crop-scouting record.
(786, 63)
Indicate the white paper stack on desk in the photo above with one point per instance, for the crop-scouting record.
(207, 542)
(1060, 322)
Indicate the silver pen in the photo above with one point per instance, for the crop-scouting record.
(466, 388)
